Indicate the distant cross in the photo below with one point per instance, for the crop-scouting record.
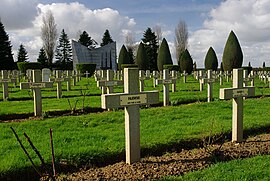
(58, 80)
(174, 76)
(237, 93)
(131, 99)
(166, 90)
(109, 83)
(185, 74)
(209, 81)
(36, 86)
(248, 78)
(87, 74)
(5, 80)
(155, 77)
(201, 77)
(141, 79)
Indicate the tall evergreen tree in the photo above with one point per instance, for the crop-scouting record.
(42, 58)
(232, 54)
(22, 54)
(142, 59)
(151, 45)
(186, 62)
(106, 38)
(86, 40)
(64, 50)
(123, 57)
(211, 61)
(6, 58)
(164, 55)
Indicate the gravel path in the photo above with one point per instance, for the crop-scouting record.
(177, 163)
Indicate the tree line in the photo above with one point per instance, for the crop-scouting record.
(152, 53)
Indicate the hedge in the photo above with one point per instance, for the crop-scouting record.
(23, 66)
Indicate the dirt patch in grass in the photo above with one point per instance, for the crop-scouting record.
(176, 163)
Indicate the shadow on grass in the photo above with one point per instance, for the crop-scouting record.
(87, 161)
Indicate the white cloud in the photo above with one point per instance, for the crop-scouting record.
(17, 14)
(73, 17)
(249, 19)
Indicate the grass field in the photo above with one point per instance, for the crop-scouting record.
(95, 137)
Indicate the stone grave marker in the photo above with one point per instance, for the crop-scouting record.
(131, 99)
(5, 80)
(209, 81)
(201, 77)
(248, 78)
(174, 76)
(237, 93)
(141, 79)
(155, 77)
(166, 90)
(109, 83)
(46, 73)
(185, 76)
(36, 85)
(58, 80)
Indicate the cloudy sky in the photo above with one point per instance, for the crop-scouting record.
(209, 23)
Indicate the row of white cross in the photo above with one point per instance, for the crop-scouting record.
(133, 97)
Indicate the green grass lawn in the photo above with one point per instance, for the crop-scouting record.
(86, 94)
(95, 137)
(99, 136)
(250, 169)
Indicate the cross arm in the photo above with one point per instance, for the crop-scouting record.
(32, 85)
(228, 93)
(109, 101)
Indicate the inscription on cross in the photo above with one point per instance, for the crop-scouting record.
(36, 86)
(237, 93)
(131, 99)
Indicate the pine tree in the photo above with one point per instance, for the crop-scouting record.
(211, 61)
(123, 57)
(64, 51)
(6, 58)
(142, 59)
(107, 39)
(232, 54)
(22, 54)
(86, 40)
(164, 55)
(42, 58)
(151, 46)
(186, 62)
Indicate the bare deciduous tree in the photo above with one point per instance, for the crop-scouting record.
(130, 44)
(158, 32)
(49, 35)
(181, 38)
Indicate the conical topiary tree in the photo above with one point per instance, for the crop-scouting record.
(142, 59)
(164, 55)
(186, 62)
(211, 61)
(123, 57)
(232, 54)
